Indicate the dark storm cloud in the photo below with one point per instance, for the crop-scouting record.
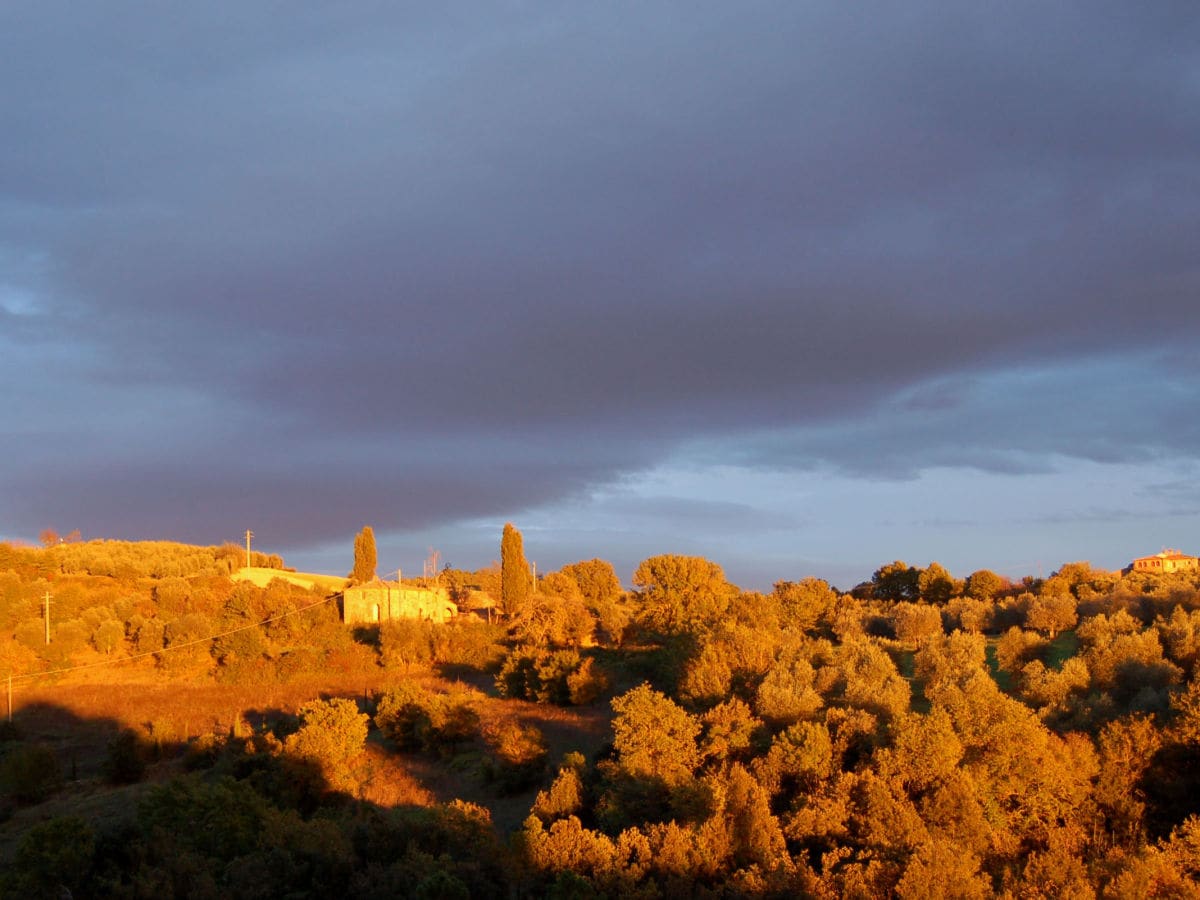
(451, 263)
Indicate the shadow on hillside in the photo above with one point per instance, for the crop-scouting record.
(81, 748)
(229, 814)
(483, 680)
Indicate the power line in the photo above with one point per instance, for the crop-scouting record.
(183, 646)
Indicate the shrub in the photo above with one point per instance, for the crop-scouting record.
(32, 634)
(332, 732)
(203, 752)
(788, 693)
(70, 637)
(565, 797)
(125, 761)
(297, 662)
(30, 773)
(518, 757)
(108, 636)
(421, 720)
(406, 642)
(352, 658)
(544, 676)
(586, 684)
(54, 859)
(473, 644)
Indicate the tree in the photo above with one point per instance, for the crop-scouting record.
(984, 584)
(682, 593)
(332, 732)
(1052, 613)
(364, 556)
(806, 602)
(653, 737)
(53, 859)
(916, 623)
(788, 693)
(596, 580)
(565, 796)
(514, 571)
(937, 585)
(897, 581)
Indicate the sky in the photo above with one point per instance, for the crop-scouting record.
(799, 287)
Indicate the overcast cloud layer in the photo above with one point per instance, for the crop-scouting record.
(301, 268)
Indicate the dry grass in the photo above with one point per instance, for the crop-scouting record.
(79, 714)
(308, 580)
(388, 781)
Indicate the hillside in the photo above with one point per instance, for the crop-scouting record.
(261, 577)
(1039, 738)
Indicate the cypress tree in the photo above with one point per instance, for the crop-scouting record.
(514, 571)
(364, 556)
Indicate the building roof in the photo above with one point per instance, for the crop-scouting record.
(1169, 554)
(379, 585)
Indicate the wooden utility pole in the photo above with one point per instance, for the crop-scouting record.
(46, 616)
(10, 696)
(249, 534)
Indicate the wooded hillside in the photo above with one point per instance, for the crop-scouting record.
(919, 736)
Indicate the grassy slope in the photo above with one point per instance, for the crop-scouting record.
(78, 716)
(307, 580)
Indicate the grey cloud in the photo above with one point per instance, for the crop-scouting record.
(1108, 410)
(549, 246)
(700, 515)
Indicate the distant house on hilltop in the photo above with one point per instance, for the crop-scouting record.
(385, 601)
(1166, 562)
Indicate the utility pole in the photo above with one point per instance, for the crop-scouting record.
(10, 696)
(249, 534)
(46, 616)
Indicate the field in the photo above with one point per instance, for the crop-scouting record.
(260, 577)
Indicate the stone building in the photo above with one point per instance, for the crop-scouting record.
(383, 601)
(1166, 562)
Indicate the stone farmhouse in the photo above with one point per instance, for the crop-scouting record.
(1166, 562)
(384, 601)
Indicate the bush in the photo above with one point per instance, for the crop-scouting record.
(32, 634)
(472, 644)
(54, 859)
(565, 797)
(9, 731)
(519, 757)
(332, 732)
(586, 684)
(420, 720)
(297, 662)
(125, 761)
(108, 636)
(30, 773)
(406, 642)
(544, 676)
(203, 752)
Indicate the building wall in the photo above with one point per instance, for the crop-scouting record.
(1164, 563)
(384, 602)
